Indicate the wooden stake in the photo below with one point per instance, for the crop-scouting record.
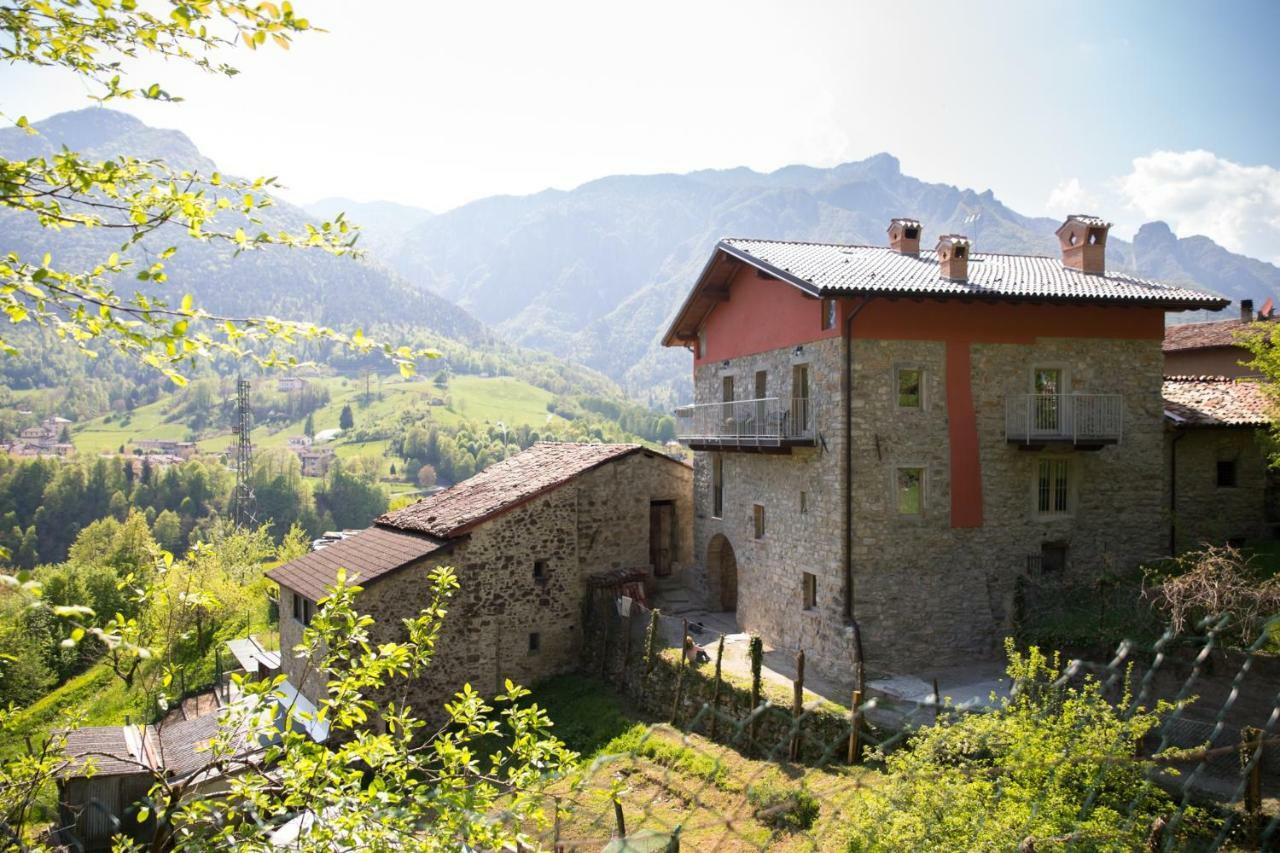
(797, 704)
(757, 659)
(1251, 745)
(715, 690)
(680, 668)
(626, 651)
(855, 739)
(937, 700)
(617, 815)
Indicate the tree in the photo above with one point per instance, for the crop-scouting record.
(426, 477)
(346, 420)
(134, 198)
(167, 531)
(309, 426)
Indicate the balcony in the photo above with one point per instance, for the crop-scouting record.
(767, 424)
(1084, 421)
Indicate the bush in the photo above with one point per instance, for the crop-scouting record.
(1216, 584)
(789, 808)
(1053, 761)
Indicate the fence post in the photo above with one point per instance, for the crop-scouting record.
(756, 647)
(651, 641)
(618, 816)
(937, 700)
(797, 705)
(715, 690)
(626, 650)
(855, 738)
(680, 668)
(1251, 746)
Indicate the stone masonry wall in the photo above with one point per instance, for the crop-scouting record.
(596, 522)
(927, 594)
(770, 569)
(924, 593)
(1205, 511)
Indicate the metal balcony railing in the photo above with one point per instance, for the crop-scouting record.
(762, 422)
(1077, 418)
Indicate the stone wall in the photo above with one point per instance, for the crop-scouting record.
(1205, 511)
(770, 569)
(598, 521)
(925, 593)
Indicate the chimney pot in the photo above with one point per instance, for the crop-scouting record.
(953, 257)
(1084, 243)
(904, 236)
(1246, 310)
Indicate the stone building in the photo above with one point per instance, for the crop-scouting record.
(524, 536)
(1214, 349)
(1219, 487)
(887, 438)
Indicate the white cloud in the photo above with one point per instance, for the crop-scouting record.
(1198, 192)
(1070, 196)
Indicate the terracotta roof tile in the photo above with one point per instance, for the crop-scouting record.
(503, 485)
(369, 554)
(836, 269)
(1220, 333)
(1215, 401)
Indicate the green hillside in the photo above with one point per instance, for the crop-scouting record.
(474, 398)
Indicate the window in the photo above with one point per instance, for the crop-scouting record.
(702, 343)
(717, 486)
(1048, 384)
(539, 570)
(800, 416)
(909, 484)
(810, 591)
(1053, 557)
(828, 314)
(726, 392)
(535, 643)
(757, 516)
(910, 388)
(1226, 473)
(762, 391)
(804, 502)
(1053, 492)
(302, 609)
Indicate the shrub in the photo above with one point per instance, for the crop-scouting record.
(1055, 760)
(785, 807)
(1213, 584)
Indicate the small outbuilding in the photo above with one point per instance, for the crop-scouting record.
(525, 537)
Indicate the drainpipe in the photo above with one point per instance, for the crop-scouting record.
(847, 550)
(1173, 491)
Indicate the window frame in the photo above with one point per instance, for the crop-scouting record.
(809, 591)
(1235, 473)
(1067, 489)
(895, 486)
(830, 313)
(898, 370)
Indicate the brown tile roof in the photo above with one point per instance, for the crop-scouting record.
(1215, 401)
(369, 554)
(502, 486)
(1220, 333)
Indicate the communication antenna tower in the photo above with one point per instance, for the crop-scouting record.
(243, 508)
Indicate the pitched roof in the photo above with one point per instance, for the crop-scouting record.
(369, 554)
(1219, 333)
(502, 486)
(1199, 401)
(111, 750)
(832, 269)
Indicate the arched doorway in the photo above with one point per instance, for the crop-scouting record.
(722, 570)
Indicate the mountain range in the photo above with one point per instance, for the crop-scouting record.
(594, 274)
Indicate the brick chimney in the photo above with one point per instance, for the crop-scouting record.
(953, 257)
(1246, 311)
(904, 236)
(1084, 243)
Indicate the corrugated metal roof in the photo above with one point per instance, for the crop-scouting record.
(369, 555)
(834, 269)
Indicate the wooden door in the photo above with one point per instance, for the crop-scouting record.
(661, 532)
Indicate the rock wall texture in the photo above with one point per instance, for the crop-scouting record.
(1205, 511)
(924, 593)
(597, 521)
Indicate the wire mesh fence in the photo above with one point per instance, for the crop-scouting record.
(1164, 744)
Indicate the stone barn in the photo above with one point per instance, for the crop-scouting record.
(525, 536)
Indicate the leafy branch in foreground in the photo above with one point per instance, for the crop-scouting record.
(138, 197)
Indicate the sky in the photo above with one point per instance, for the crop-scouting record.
(1132, 110)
